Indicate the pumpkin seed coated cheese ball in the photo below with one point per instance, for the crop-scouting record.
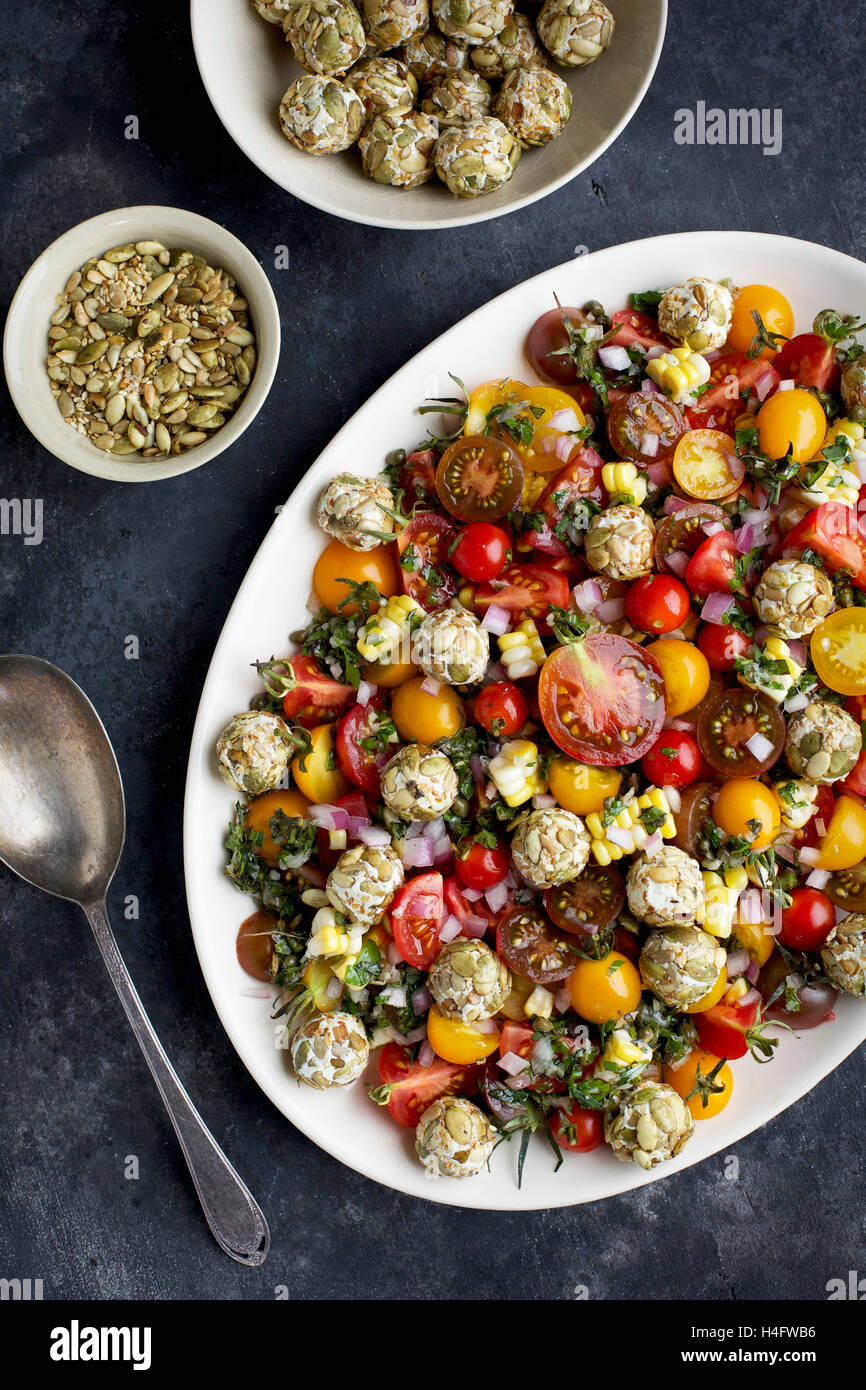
(382, 84)
(823, 743)
(320, 115)
(513, 47)
(651, 1124)
(254, 751)
(793, 597)
(665, 888)
(681, 964)
(273, 11)
(458, 98)
(327, 36)
(477, 157)
(363, 881)
(397, 148)
(431, 56)
(844, 954)
(535, 104)
(389, 22)
(451, 646)
(331, 1050)
(468, 981)
(419, 783)
(454, 1139)
(576, 32)
(619, 542)
(697, 313)
(854, 389)
(472, 21)
(356, 510)
(549, 847)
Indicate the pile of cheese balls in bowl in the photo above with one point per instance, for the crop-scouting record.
(455, 88)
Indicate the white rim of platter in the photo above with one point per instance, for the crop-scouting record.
(271, 603)
(246, 66)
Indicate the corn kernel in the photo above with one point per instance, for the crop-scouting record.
(624, 480)
(736, 990)
(384, 633)
(679, 372)
(716, 913)
(604, 849)
(621, 1051)
(539, 1004)
(522, 651)
(515, 772)
(772, 683)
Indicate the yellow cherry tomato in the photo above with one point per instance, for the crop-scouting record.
(320, 779)
(605, 989)
(534, 406)
(702, 464)
(774, 309)
(838, 651)
(579, 788)
(454, 1041)
(740, 803)
(844, 845)
(389, 674)
(338, 562)
(317, 977)
(425, 717)
(258, 817)
(712, 996)
(756, 939)
(683, 1077)
(792, 420)
(686, 673)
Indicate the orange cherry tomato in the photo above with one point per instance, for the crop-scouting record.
(844, 844)
(686, 673)
(605, 989)
(533, 408)
(337, 562)
(292, 804)
(387, 675)
(774, 310)
(838, 651)
(320, 779)
(741, 804)
(455, 1041)
(792, 420)
(712, 996)
(424, 717)
(702, 464)
(682, 1079)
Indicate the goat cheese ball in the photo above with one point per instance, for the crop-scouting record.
(451, 646)
(397, 148)
(460, 97)
(792, 597)
(419, 783)
(853, 388)
(390, 22)
(681, 965)
(477, 157)
(320, 115)
(254, 750)
(844, 954)
(331, 1050)
(356, 510)
(363, 882)
(619, 542)
(382, 83)
(823, 743)
(468, 981)
(650, 1125)
(327, 36)
(697, 313)
(431, 56)
(273, 11)
(534, 104)
(549, 847)
(454, 1139)
(665, 888)
(513, 47)
(472, 21)
(575, 32)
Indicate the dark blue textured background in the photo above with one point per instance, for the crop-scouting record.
(164, 562)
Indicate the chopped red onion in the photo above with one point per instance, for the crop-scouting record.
(615, 358)
(756, 516)
(474, 926)
(443, 850)
(365, 692)
(797, 650)
(512, 1064)
(426, 1055)
(751, 997)
(715, 608)
(610, 610)
(418, 853)
(430, 686)
(394, 994)
(736, 467)
(786, 385)
(587, 595)
(421, 1000)
(496, 620)
(784, 851)
(327, 817)
(657, 474)
(374, 836)
(818, 878)
(564, 447)
(652, 844)
(334, 988)
(648, 444)
(750, 906)
(472, 895)
(674, 504)
(712, 528)
(685, 726)
(674, 799)
(678, 561)
(759, 746)
(485, 1025)
(565, 420)
(393, 953)
(652, 353)
(357, 823)
(618, 836)
(820, 826)
(450, 928)
(737, 963)
(859, 463)
(764, 384)
(745, 539)
(752, 971)
(497, 896)
(543, 801)
(495, 672)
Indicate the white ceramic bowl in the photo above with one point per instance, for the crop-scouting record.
(271, 604)
(246, 66)
(25, 336)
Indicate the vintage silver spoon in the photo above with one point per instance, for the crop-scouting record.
(62, 827)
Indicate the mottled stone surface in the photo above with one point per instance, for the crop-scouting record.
(163, 563)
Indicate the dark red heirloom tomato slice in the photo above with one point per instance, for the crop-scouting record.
(682, 532)
(417, 476)
(425, 574)
(731, 380)
(836, 533)
(721, 644)
(816, 1000)
(545, 343)
(645, 427)
(578, 1130)
(728, 721)
(711, 568)
(416, 917)
(723, 1029)
(315, 698)
(528, 944)
(695, 806)
(588, 903)
(354, 760)
(810, 361)
(637, 330)
(524, 591)
(657, 603)
(602, 700)
(674, 760)
(412, 1088)
(255, 944)
(479, 477)
(578, 481)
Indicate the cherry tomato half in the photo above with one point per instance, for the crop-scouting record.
(524, 591)
(808, 921)
(425, 575)
(536, 419)
(424, 717)
(732, 380)
(836, 533)
(602, 700)
(746, 807)
(587, 903)
(838, 651)
(721, 644)
(674, 759)
(711, 568)
(635, 329)
(482, 551)
(545, 343)
(810, 361)
(792, 420)
(578, 1130)
(657, 603)
(729, 719)
(705, 464)
(412, 1088)
(579, 481)
(416, 916)
(481, 866)
(645, 427)
(479, 478)
(605, 989)
(528, 944)
(723, 1029)
(685, 672)
(456, 1041)
(680, 534)
(362, 765)
(501, 709)
(844, 844)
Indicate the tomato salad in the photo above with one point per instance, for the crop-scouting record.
(557, 810)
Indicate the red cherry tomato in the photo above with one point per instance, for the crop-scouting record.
(425, 574)
(602, 700)
(417, 477)
(578, 481)
(807, 923)
(458, 906)
(856, 780)
(416, 917)
(810, 361)
(315, 698)
(413, 1087)
(480, 866)
(657, 603)
(354, 803)
(674, 760)
(721, 644)
(732, 379)
(577, 1129)
(544, 346)
(722, 1029)
(501, 709)
(482, 552)
(711, 568)
(637, 330)
(354, 760)
(525, 591)
(836, 533)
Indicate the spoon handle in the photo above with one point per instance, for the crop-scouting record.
(234, 1216)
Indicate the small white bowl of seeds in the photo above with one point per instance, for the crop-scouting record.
(141, 343)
